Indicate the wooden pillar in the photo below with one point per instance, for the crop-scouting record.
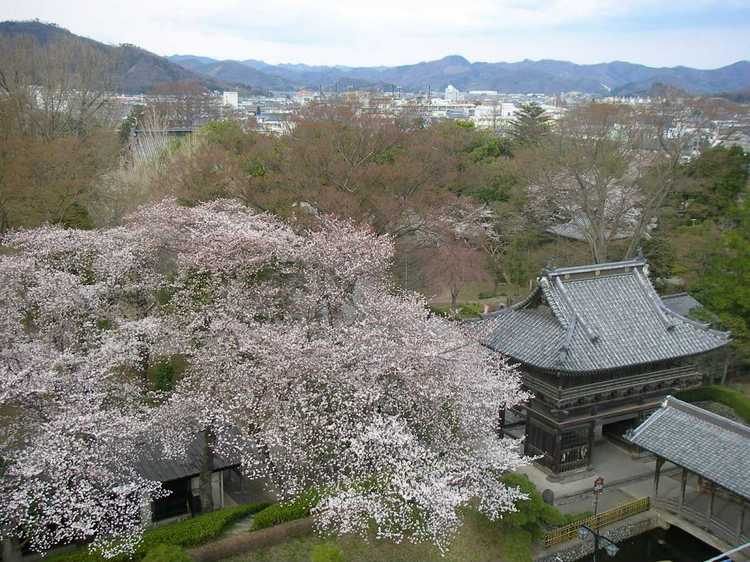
(557, 454)
(683, 485)
(741, 522)
(710, 510)
(659, 463)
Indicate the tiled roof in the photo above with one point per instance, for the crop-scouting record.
(681, 303)
(594, 318)
(153, 465)
(703, 442)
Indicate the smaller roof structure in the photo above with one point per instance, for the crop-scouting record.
(595, 318)
(154, 466)
(705, 443)
(681, 303)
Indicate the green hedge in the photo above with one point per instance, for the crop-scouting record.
(167, 553)
(298, 508)
(722, 394)
(187, 533)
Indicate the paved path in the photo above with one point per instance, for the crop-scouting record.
(611, 462)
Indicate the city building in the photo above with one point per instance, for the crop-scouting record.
(232, 99)
(599, 350)
(452, 93)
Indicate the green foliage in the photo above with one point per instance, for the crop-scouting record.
(77, 216)
(326, 552)
(530, 124)
(713, 183)
(469, 309)
(722, 394)
(188, 533)
(228, 135)
(167, 553)
(724, 287)
(532, 514)
(298, 508)
(164, 372)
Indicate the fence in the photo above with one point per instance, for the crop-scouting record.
(596, 522)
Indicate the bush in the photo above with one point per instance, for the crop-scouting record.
(298, 508)
(167, 553)
(188, 533)
(722, 394)
(326, 552)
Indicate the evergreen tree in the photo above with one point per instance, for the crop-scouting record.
(530, 124)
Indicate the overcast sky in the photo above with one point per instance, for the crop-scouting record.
(698, 33)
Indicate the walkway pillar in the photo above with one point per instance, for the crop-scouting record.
(683, 485)
(659, 463)
(710, 510)
(741, 522)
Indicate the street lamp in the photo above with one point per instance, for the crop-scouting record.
(584, 531)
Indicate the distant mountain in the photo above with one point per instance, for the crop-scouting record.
(135, 70)
(544, 76)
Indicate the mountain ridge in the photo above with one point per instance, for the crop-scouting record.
(548, 76)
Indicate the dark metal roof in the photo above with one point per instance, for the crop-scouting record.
(154, 466)
(681, 303)
(705, 443)
(595, 318)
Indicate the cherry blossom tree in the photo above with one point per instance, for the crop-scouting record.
(71, 410)
(307, 364)
(302, 360)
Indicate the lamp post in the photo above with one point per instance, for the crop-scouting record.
(610, 548)
(584, 531)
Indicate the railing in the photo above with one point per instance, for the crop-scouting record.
(570, 531)
(700, 519)
(652, 377)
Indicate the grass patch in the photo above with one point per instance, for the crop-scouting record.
(478, 540)
(185, 534)
(722, 394)
(298, 508)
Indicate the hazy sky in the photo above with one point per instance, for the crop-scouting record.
(699, 33)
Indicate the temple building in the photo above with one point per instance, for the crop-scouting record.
(599, 350)
(710, 490)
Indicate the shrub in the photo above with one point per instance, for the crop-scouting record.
(722, 394)
(188, 533)
(470, 309)
(167, 553)
(298, 508)
(326, 552)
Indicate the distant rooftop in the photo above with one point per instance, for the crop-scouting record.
(703, 442)
(594, 318)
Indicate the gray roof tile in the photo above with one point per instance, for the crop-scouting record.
(703, 442)
(593, 318)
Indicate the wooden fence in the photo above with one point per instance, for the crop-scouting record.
(570, 531)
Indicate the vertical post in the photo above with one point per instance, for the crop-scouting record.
(683, 485)
(741, 522)
(558, 450)
(710, 510)
(659, 463)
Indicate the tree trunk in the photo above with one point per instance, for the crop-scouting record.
(12, 551)
(206, 476)
(454, 301)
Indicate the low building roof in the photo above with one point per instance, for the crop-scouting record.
(705, 443)
(595, 318)
(681, 303)
(153, 465)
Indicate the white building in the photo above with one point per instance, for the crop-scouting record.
(231, 99)
(452, 93)
(494, 116)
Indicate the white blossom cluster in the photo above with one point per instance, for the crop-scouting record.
(302, 360)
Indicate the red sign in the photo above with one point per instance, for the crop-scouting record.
(598, 485)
